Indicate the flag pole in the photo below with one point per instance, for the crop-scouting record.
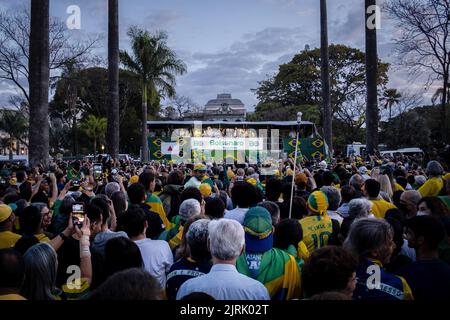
(299, 121)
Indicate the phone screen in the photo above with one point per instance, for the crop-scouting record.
(78, 214)
(98, 169)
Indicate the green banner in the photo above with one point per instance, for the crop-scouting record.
(309, 148)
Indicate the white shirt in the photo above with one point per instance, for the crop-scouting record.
(237, 214)
(224, 282)
(157, 258)
(335, 216)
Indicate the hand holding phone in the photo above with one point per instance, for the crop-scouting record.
(78, 214)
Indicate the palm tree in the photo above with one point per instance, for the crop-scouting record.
(391, 97)
(95, 129)
(156, 65)
(113, 79)
(15, 125)
(38, 81)
(372, 113)
(325, 74)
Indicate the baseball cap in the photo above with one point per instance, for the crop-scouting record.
(362, 170)
(200, 167)
(205, 190)
(258, 230)
(317, 202)
(134, 179)
(5, 212)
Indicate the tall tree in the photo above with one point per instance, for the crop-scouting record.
(112, 144)
(39, 83)
(156, 66)
(15, 48)
(424, 44)
(95, 129)
(372, 112)
(325, 76)
(390, 98)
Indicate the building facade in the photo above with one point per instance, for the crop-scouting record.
(223, 108)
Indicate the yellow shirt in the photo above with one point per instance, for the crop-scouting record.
(380, 207)
(12, 296)
(42, 238)
(316, 231)
(8, 239)
(398, 187)
(431, 187)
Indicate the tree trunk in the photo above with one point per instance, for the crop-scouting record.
(444, 123)
(112, 141)
(390, 112)
(75, 138)
(325, 77)
(95, 149)
(372, 113)
(144, 135)
(39, 83)
(11, 154)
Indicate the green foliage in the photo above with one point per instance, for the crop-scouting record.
(298, 82)
(92, 91)
(273, 111)
(95, 128)
(419, 127)
(14, 124)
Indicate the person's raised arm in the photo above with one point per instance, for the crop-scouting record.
(36, 186)
(119, 180)
(57, 241)
(54, 189)
(85, 253)
(64, 191)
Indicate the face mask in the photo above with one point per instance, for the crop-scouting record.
(422, 213)
(371, 216)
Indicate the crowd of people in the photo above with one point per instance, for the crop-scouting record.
(355, 230)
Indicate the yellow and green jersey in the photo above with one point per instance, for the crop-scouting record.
(156, 206)
(317, 230)
(276, 270)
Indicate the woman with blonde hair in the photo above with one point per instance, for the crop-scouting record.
(386, 191)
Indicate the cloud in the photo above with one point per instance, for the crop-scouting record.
(162, 20)
(238, 68)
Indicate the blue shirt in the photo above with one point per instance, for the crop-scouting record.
(224, 282)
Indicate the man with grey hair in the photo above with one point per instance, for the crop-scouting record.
(189, 208)
(334, 200)
(357, 182)
(435, 183)
(195, 263)
(226, 243)
(110, 188)
(409, 201)
(360, 208)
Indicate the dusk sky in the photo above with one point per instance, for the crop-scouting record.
(228, 46)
